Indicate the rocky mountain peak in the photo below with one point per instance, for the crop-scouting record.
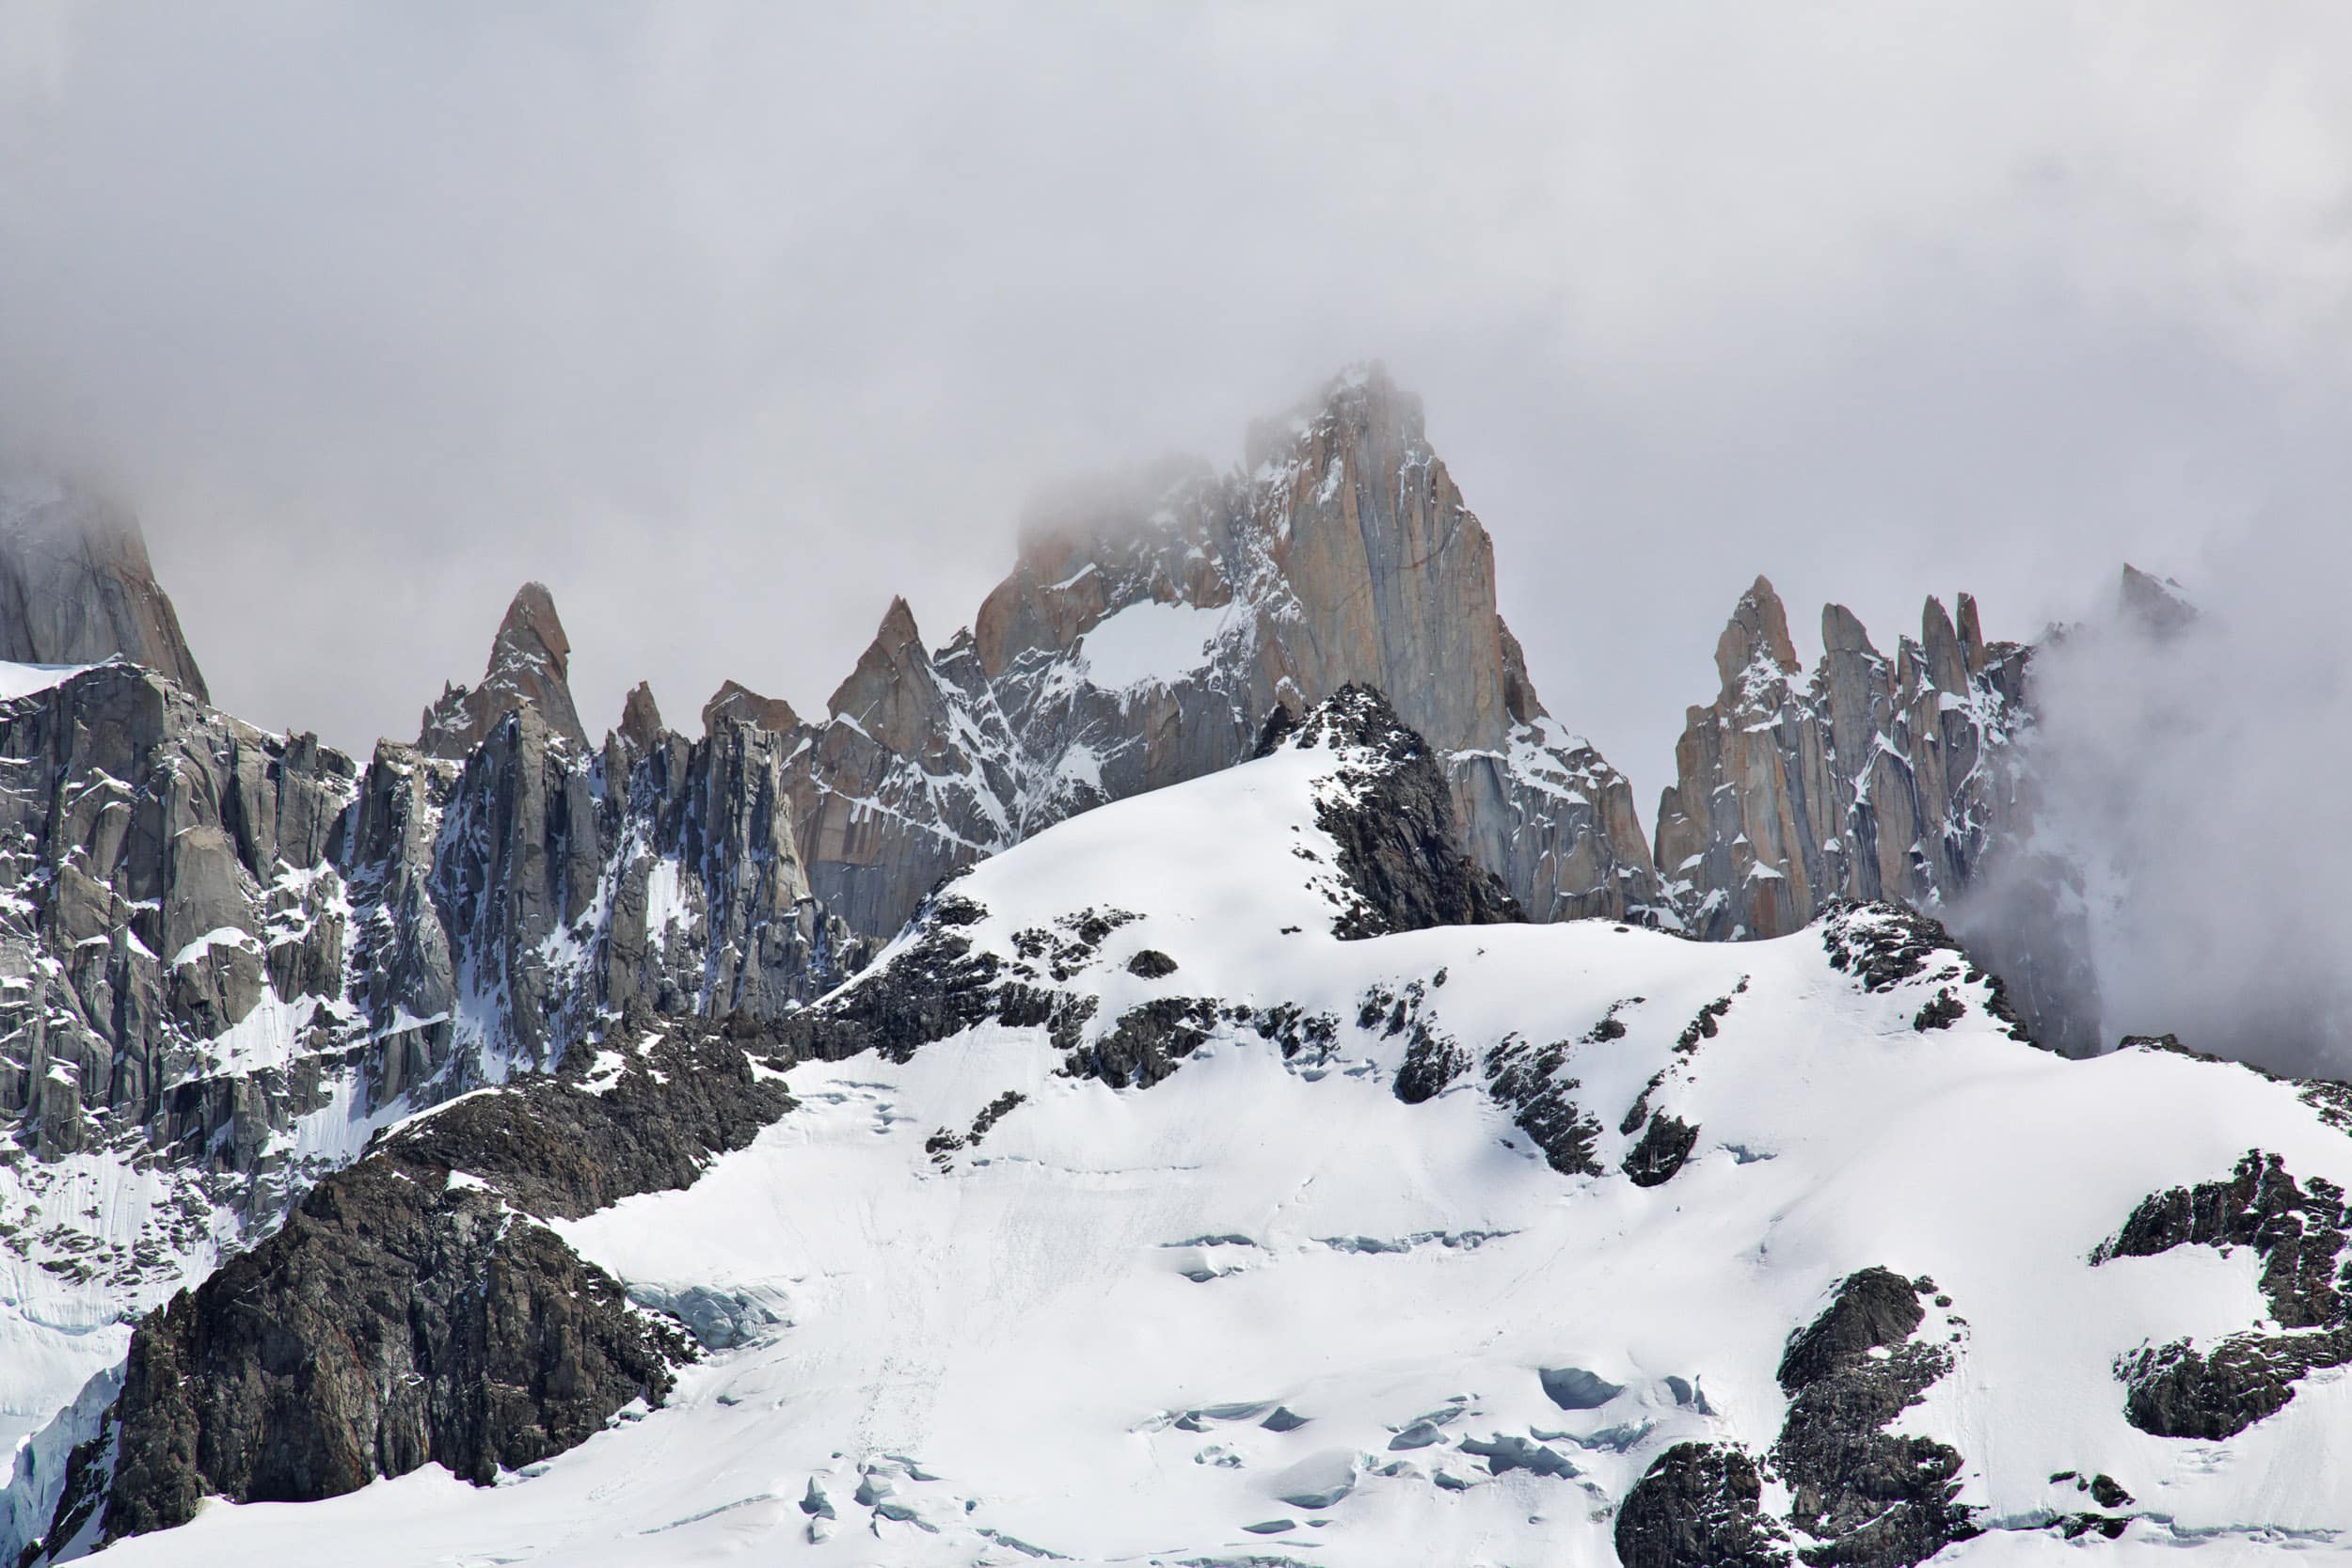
(640, 717)
(1875, 778)
(893, 695)
(2159, 605)
(1758, 630)
(735, 701)
(1361, 396)
(76, 586)
(1152, 620)
(530, 662)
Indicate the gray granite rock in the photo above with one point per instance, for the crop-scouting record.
(76, 588)
(530, 664)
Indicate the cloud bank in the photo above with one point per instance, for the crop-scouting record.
(730, 320)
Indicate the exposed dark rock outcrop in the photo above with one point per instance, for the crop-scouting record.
(2300, 1232)
(1882, 945)
(387, 1325)
(1861, 1495)
(1530, 1079)
(944, 1146)
(1146, 1042)
(1665, 1144)
(937, 986)
(641, 1110)
(1399, 847)
(1699, 1505)
(76, 586)
(412, 1310)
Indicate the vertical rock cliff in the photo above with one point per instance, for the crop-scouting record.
(76, 586)
(226, 957)
(1151, 623)
(1874, 778)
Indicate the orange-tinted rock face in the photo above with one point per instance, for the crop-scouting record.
(1149, 624)
(1874, 778)
(739, 702)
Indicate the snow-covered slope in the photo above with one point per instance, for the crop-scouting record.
(1433, 1247)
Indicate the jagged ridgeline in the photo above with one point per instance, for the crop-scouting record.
(231, 958)
(1135, 1203)
(479, 899)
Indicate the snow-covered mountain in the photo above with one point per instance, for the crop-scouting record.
(1293, 1115)
(1143, 1205)
(226, 957)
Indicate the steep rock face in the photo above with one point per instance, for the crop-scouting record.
(1876, 778)
(1152, 623)
(735, 701)
(411, 1311)
(903, 785)
(1399, 844)
(203, 925)
(76, 586)
(530, 664)
(227, 956)
(167, 908)
(503, 1348)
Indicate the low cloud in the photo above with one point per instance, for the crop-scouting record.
(731, 321)
(2190, 832)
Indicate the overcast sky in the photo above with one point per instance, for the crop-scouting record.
(730, 321)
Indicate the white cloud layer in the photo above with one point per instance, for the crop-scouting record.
(731, 321)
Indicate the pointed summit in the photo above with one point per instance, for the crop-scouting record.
(530, 662)
(893, 694)
(640, 717)
(1758, 627)
(2152, 604)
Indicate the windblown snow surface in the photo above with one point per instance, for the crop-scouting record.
(1264, 1311)
(23, 680)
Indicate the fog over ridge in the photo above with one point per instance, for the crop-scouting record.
(2192, 779)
